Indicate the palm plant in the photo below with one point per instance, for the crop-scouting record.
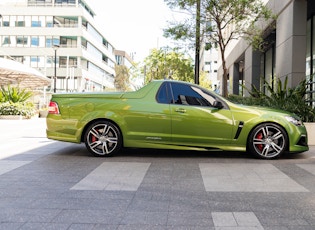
(14, 94)
(281, 97)
(13, 101)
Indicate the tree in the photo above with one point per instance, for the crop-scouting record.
(222, 21)
(122, 78)
(164, 63)
(204, 81)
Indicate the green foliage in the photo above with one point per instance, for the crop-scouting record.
(25, 109)
(14, 94)
(226, 20)
(280, 97)
(204, 81)
(162, 64)
(122, 78)
(13, 101)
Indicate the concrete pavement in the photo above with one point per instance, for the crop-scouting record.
(46, 184)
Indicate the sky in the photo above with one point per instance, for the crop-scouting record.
(134, 26)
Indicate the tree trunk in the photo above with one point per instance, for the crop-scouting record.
(225, 75)
(197, 52)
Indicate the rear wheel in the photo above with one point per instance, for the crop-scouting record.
(103, 138)
(268, 141)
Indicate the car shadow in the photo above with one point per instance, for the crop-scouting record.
(79, 150)
(163, 153)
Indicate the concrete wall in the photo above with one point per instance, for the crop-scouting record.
(290, 47)
(291, 42)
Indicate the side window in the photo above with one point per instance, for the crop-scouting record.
(190, 95)
(163, 95)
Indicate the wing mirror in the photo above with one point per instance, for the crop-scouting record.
(218, 104)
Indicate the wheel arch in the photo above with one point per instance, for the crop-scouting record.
(100, 119)
(268, 122)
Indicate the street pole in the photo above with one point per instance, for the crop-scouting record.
(55, 76)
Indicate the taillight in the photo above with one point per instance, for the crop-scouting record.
(53, 108)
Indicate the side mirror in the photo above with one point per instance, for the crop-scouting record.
(218, 104)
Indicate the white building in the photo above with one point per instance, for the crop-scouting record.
(34, 32)
(210, 66)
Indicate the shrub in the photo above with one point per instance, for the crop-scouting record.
(291, 100)
(25, 109)
(13, 101)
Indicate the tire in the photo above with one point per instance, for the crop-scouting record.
(268, 141)
(103, 138)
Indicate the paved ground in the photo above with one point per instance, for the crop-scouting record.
(53, 185)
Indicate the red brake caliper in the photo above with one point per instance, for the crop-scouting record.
(259, 136)
(93, 139)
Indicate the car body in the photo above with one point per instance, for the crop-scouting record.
(167, 114)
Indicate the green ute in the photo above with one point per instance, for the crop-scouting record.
(168, 114)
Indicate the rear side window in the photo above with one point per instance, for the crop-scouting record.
(163, 94)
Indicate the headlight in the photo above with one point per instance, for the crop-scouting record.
(294, 120)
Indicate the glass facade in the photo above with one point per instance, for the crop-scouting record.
(268, 62)
(310, 60)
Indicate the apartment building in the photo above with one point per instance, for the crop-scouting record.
(136, 79)
(61, 39)
(209, 62)
(290, 50)
(122, 58)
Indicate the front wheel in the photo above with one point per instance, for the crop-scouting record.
(268, 141)
(103, 138)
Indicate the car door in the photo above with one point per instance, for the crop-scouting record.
(149, 119)
(195, 121)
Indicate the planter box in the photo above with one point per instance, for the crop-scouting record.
(310, 127)
(43, 113)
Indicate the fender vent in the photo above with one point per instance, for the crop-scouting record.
(239, 129)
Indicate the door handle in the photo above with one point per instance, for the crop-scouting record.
(180, 110)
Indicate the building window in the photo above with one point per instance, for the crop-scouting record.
(49, 21)
(68, 42)
(49, 42)
(119, 60)
(268, 61)
(39, 2)
(34, 61)
(37, 61)
(72, 62)
(56, 41)
(36, 21)
(65, 22)
(36, 24)
(6, 41)
(5, 21)
(50, 61)
(20, 24)
(19, 59)
(21, 41)
(34, 41)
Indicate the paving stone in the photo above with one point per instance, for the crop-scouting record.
(55, 185)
